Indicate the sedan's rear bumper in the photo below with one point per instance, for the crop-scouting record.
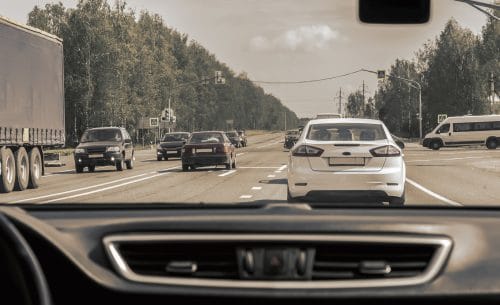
(343, 185)
(206, 160)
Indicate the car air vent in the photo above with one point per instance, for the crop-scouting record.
(278, 261)
(195, 260)
(370, 261)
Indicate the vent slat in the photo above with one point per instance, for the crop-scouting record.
(343, 261)
(213, 260)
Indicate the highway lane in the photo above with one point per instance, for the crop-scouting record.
(449, 177)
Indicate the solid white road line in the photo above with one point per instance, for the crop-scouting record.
(256, 188)
(258, 167)
(431, 193)
(246, 196)
(80, 189)
(105, 189)
(228, 173)
(240, 154)
(271, 176)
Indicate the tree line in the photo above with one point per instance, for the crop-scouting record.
(455, 71)
(121, 65)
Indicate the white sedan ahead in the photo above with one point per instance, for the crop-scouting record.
(346, 160)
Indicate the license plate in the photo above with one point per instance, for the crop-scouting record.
(346, 161)
(95, 156)
(204, 150)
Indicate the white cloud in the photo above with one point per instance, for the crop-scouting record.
(305, 38)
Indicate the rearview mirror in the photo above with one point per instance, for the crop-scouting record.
(394, 11)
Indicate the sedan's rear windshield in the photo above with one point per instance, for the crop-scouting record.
(99, 135)
(206, 138)
(175, 137)
(346, 132)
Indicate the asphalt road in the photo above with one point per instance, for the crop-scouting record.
(449, 177)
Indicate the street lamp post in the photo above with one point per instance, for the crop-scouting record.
(413, 84)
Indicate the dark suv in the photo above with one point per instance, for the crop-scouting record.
(105, 146)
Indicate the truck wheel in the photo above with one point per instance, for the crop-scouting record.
(234, 163)
(185, 167)
(492, 143)
(7, 170)
(22, 169)
(91, 168)
(159, 158)
(130, 163)
(35, 168)
(120, 165)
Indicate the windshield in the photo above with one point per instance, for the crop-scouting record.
(346, 132)
(282, 101)
(102, 135)
(175, 137)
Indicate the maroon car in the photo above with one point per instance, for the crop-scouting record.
(208, 148)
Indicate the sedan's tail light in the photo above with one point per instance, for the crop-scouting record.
(221, 148)
(386, 151)
(307, 151)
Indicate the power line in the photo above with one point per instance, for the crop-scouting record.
(307, 81)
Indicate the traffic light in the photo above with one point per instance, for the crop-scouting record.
(381, 74)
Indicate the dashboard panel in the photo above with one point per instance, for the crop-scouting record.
(69, 242)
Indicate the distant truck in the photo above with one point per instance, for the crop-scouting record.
(31, 103)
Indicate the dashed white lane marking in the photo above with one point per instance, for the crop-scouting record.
(240, 154)
(282, 168)
(80, 189)
(256, 188)
(105, 189)
(271, 176)
(431, 193)
(228, 173)
(246, 196)
(449, 159)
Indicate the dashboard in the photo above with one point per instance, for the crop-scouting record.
(151, 254)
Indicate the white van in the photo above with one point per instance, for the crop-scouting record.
(328, 116)
(465, 130)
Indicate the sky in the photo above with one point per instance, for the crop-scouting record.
(293, 40)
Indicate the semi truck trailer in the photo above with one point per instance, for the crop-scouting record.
(31, 103)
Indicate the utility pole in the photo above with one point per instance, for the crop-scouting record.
(285, 120)
(492, 88)
(340, 101)
(363, 93)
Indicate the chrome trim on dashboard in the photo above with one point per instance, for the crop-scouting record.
(436, 263)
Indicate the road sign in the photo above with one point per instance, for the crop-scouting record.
(219, 79)
(153, 122)
(381, 74)
(442, 117)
